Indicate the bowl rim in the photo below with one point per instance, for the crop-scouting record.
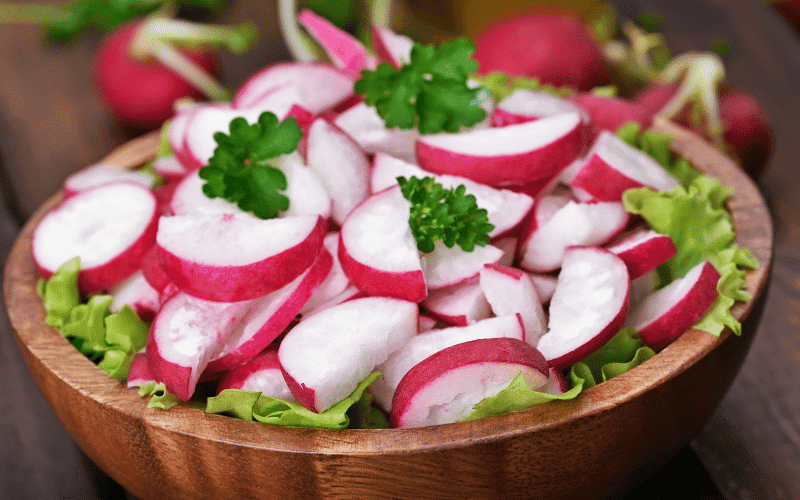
(54, 353)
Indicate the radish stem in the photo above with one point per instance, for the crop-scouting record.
(172, 58)
(298, 44)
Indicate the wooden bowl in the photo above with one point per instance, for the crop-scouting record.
(600, 444)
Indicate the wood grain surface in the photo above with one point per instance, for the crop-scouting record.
(52, 124)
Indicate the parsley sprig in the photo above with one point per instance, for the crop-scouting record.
(449, 215)
(430, 92)
(240, 170)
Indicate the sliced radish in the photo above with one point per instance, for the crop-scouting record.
(426, 344)
(545, 285)
(367, 128)
(589, 306)
(152, 271)
(525, 105)
(343, 49)
(458, 305)
(556, 383)
(643, 286)
(391, 47)
(185, 335)
(110, 227)
(512, 155)
(204, 122)
(377, 250)
(268, 317)
(319, 86)
(341, 165)
(349, 293)
(643, 250)
(584, 224)
(139, 373)
(260, 374)
(668, 312)
(188, 198)
(326, 355)
(511, 291)
(137, 293)
(336, 282)
(445, 387)
(176, 135)
(99, 174)
(233, 257)
(169, 168)
(446, 267)
(426, 323)
(612, 166)
(508, 244)
(305, 189)
(505, 209)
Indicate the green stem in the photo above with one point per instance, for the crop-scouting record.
(297, 42)
(172, 58)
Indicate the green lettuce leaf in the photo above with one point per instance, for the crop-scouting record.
(620, 354)
(161, 397)
(251, 405)
(60, 294)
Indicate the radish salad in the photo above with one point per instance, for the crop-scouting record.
(387, 240)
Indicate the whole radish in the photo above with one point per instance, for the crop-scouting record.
(551, 46)
(140, 71)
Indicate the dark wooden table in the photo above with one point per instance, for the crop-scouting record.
(52, 124)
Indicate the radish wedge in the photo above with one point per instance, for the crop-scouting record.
(445, 387)
(261, 374)
(643, 250)
(511, 291)
(328, 354)
(668, 312)
(139, 373)
(336, 282)
(137, 293)
(235, 257)
(343, 49)
(445, 267)
(459, 305)
(512, 155)
(589, 305)
(426, 344)
(391, 47)
(110, 227)
(377, 250)
(99, 174)
(524, 105)
(367, 128)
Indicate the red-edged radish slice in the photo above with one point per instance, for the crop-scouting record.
(525, 105)
(446, 267)
(512, 155)
(341, 165)
(185, 335)
(429, 343)
(319, 86)
(176, 135)
(508, 244)
(349, 293)
(589, 306)
(445, 387)
(367, 128)
(668, 312)
(458, 305)
(260, 374)
(269, 316)
(204, 122)
(110, 227)
(556, 383)
(545, 285)
(377, 250)
(305, 189)
(328, 354)
(137, 293)
(510, 291)
(139, 373)
(99, 174)
(169, 168)
(505, 208)
(153, 273)
(234, 257)
(643, 250)
(391, 47)
(612, 166)
(343, 49)
(426, 323)
(336, 282)
(574, 224)
(188, 198)
(643, 286)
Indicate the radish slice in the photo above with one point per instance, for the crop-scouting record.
(349, 293)
(643, 250)
(234, 257)
(269, 316)
(260, 374)
(344, 50)
(328, 354)
(153, 273)
(512, 155)
(445, 387)
(367, 128)
(666, 313)
(589, 306)
(377, 250)
(556, 383)
(139, 373)
(110, 227)
(612, 166)
(188, 198)
(305, 189)
(204, 122)
(185, 335)
(170, 168)
(99, 174)
(445, 267)
(426, 344)
(336, 282)
(391, 47)
(137, 293)
(525, 105)
(510, 291)
(545, 285)
(458, 305)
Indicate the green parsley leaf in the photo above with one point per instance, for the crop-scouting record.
(240, 170)
(449, 215)
(430, 92)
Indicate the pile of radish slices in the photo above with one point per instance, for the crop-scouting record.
(305, 306)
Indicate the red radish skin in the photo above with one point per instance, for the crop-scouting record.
(136, 293)
(139, 373)
(152, 271)
(643, 250)
(202, 255)
(342, 48)
(391, 47)
(610, 113)
(142, 93)
(454, 379)
(665, 314)
(110, 227)
(552, 47)
(261, 374)
(524, 105)
(556, 383)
